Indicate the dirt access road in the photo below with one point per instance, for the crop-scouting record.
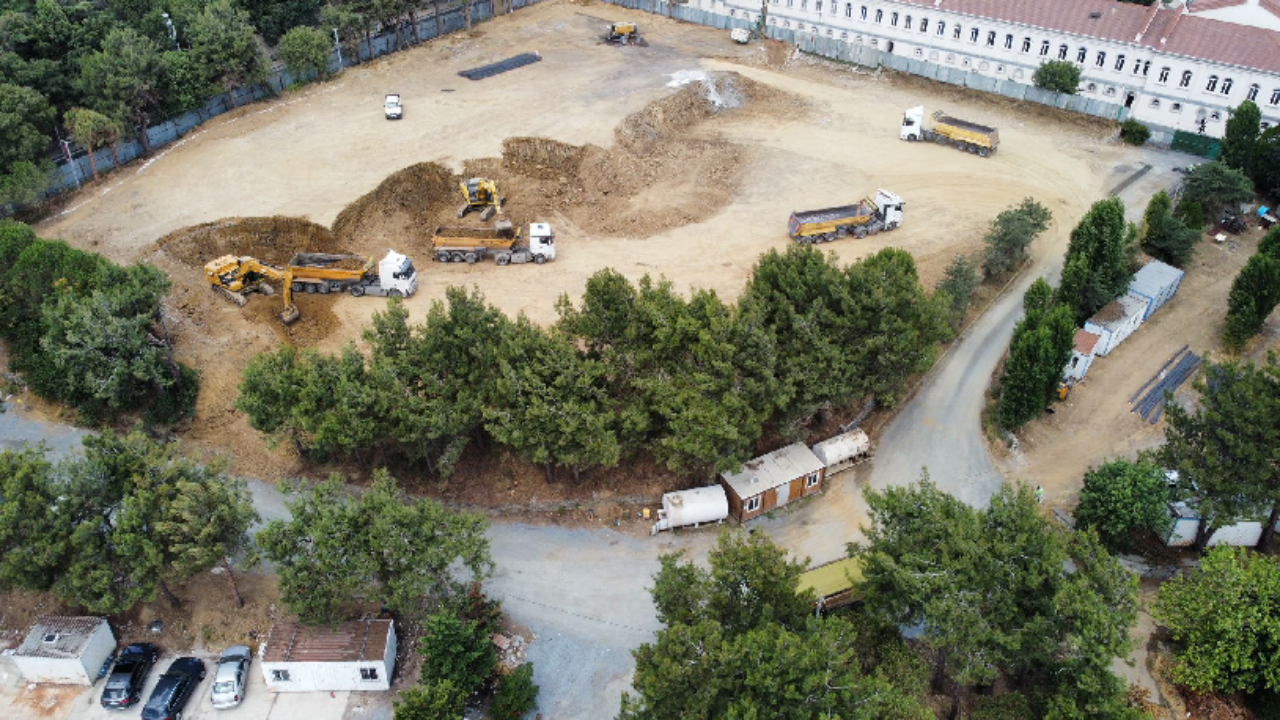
(823, 135)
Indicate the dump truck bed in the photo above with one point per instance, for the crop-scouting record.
(473, 233)
(963, 124)
(316, 261)
(833, 213)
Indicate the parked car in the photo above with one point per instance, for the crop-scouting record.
(394, 109)
(128, 675)
(174, 688)
(231, 677)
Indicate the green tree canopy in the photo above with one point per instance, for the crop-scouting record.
(516, 695)
(223, 41)
(959, 283)
(1241, 136)
(1011, 233)
(1099, 261)
(992, 592)
(1255, 291)
(32, 547)
(1215, 186)
(121, 80)
(338, 549)
(306, 52)
(1165, 237)
(93, 130)
(1266, 163)
(1225, 619)
(1123, 497)
(739, 643)
(457, 651)
(1058, 75)
(1227, 450)
(1038, 354)
(439, 700)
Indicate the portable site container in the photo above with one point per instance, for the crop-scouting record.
(771, 481)
(1154, 285)
(355, 656)
(1186, 524)
(68, 650)
(1115, 322)
(1082, 353)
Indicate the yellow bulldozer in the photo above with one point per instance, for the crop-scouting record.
(234, 277)
(622, 33)
(480, 194)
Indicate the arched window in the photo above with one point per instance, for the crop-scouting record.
(893, 19)
(942, 28)
(1226, 85)
(991, 38)
(1252, 96)
(924, 24)
(955, 34)
(1008, 42)
(1275, 96)
(1164, 75)
(1119, 62)
(1186, 79)
(1080, 56)
(1212, 84)
(1101, 60)
(1026, 44)
(879, 16)
(907, 23)
(1062, 52)
(1044, 48)
(973, 35)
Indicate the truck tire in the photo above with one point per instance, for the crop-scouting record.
(940, 139)
(297, 287)
(983, 152)
(442, 256)
(502, 258)
(357, 290)
(470, 258)
(394, 293)
(860, 233)
(322, 288)
(540, 259)
(455, 256)
(912, 138)
(891, 226)
(335, 287)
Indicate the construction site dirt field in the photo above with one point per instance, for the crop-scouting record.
(634, 170)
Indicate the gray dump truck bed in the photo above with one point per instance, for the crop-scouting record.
(964, 124)
(832, 213)
(326, 260)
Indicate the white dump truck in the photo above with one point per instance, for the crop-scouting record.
(692, 507)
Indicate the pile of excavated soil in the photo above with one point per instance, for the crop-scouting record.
(401, 212)
(666, 168)
(272, 240)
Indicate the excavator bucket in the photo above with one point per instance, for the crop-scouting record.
(290, 315)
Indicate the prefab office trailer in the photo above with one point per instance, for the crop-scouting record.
(357, 655)
(67, 650)
(771, 481)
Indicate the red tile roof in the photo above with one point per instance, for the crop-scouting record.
(1085, 341)
(1188, 35)
(1203, 5)
(349, 642)
(1270, 6)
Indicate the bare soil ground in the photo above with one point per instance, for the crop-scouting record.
(634, 174)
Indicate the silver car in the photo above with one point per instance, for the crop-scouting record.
(231, 677)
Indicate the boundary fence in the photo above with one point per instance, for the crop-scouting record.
(73, 171)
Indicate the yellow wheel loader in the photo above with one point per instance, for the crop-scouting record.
(480, 194)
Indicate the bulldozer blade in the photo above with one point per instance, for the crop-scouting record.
(234, 297)
(290, 315)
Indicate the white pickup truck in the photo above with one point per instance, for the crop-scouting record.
(393, 107)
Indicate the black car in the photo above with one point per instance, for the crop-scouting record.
(174, 688)
(128, 675)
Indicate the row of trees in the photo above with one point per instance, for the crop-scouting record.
(87, 332)
(1254, 292)
(106, 530)
(104, 71)
(633, 368)
(1001, 593)
(1250, 150)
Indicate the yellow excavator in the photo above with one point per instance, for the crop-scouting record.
(480, 194)
(233, 277)
(621, 33)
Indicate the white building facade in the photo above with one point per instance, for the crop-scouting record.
(354, 656)
(1173, 69)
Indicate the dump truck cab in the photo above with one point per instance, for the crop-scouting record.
(396, 272)
(542, 240)
(890, 206)
(912, 123)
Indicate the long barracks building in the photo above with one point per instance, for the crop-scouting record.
(1172, 68)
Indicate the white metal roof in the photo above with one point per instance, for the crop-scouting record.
(1153, 278)
(842, 447)
(769, 471)
(59, 637)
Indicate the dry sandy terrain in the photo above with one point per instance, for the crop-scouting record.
(717, 189)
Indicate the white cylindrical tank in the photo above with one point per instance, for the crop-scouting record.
(692, 507)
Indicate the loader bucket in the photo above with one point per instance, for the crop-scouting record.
(290, 315)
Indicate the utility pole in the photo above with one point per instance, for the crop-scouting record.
(337, 46)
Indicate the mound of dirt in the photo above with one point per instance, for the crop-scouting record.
(665, 169)
(403, 207)
(273, 240)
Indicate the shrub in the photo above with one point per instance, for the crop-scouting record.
(1122, 497)
(1134, 132)
(516, 695)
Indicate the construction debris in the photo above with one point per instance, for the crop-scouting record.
(511, 63)
(1166, 380)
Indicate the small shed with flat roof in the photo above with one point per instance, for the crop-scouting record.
(773, 480)
(354, 656)
(1114, 322)
(67, 650)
